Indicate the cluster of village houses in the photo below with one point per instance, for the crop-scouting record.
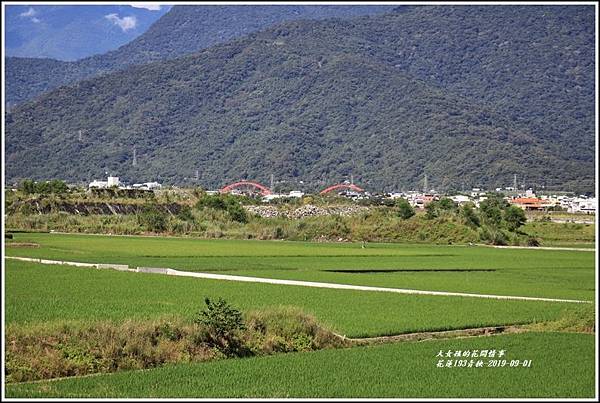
(527, 200)
(114, 182)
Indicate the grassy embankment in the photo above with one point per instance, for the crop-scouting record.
(210, 220)
(379, 225)
(562, 234)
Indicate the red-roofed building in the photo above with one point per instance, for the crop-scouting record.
(529, 203)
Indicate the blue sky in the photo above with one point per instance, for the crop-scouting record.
(71, 32)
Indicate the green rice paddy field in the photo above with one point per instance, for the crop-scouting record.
(477, 269)
(38, 293)
(45, 295)
(393, 370)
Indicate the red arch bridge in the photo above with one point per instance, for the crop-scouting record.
(245, 185)
(263, 190)
(349, 186)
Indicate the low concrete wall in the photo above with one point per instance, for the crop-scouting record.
(156, 270)
(122, 267)
(24, 259)
(46, 261)
(80, 264)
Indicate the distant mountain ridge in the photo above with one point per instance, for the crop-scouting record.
(184, 29)
(72, 32)
(508, 90)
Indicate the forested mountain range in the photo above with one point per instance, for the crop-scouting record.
(467, 95)
(184, 29)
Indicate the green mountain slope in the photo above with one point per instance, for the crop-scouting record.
(319, 100)
(183, 30)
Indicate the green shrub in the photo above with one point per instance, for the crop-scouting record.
(279, 233)
(446, 204)
(152, 219)
(224, 202)
(492, 208)
(222, 326)
(493, 236)
(405, 210)
(237, 213)
(185, 213)
(469, 216)
(431, 210)
(514, 217)
(217, 202)
(29, 186)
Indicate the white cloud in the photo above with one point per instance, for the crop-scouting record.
(147, 6)
(29, 13)
(125, 23)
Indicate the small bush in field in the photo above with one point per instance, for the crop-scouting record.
(220, 317)
(222, 325)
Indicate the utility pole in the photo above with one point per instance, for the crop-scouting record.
(134, 156)
(515, 182)
(425, 184)
(272, 181)
(197, 175)
(352, 179)
(80, 138)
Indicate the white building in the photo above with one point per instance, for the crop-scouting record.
(98, 184)
(296, 193)
(460, 199)
(396, 195)
(111, 182)
(272, 196)
(579, 205)
(147, 185)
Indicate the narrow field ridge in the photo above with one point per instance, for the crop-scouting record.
(440, 335)
(228, 277)
(540, 247)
